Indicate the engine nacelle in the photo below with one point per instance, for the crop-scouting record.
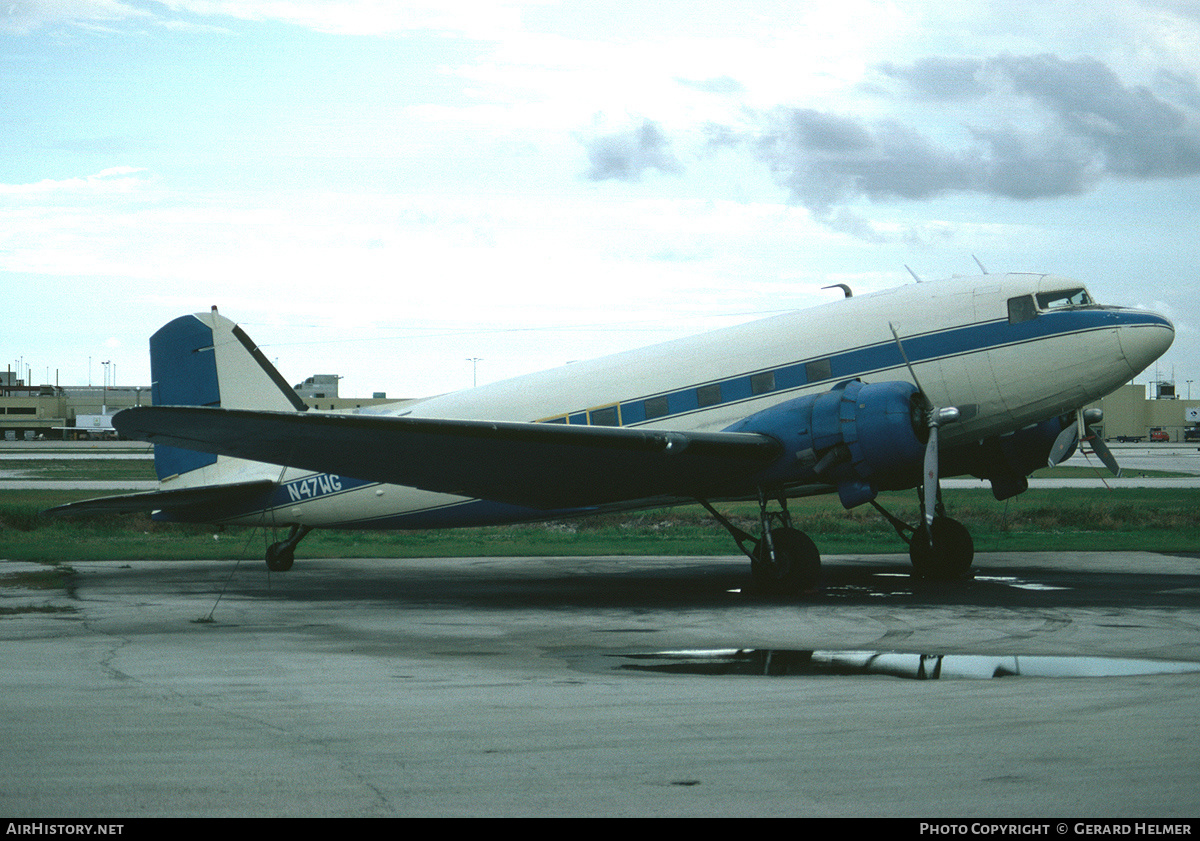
(1007, 460)
(860, 438)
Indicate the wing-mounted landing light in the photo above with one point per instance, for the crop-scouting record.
(1066, 441)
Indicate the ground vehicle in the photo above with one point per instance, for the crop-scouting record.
(1157, 433)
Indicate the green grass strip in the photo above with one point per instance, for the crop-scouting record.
(1151, 519)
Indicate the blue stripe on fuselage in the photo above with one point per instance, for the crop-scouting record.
(883, 356)
(313, 486)
(468, 513)
(324, 486)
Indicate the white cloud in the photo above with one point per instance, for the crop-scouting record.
(475, 18)
(25, 16)
(111, 181)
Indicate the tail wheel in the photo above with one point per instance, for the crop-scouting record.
(944, 553)
(796, 565)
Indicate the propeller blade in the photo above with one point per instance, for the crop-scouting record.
(1096, 442)
(1064, 443)
(904, 356)
(936, 417)
(930, 481)
(1101, 449)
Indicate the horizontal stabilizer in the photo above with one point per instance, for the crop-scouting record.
(540, 465)
(208, 502)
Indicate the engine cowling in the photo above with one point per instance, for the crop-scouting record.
(1005, 461)
(862, 438)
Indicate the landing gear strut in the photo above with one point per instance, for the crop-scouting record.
(784, 560)
(281, 555)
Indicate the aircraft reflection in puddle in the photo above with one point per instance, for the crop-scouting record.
(1017, 583)
(886, 589)
(783, 662)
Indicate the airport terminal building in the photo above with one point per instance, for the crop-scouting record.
(36, 412)
(1130, 413)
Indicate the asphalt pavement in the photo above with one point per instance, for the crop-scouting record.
(600, 686)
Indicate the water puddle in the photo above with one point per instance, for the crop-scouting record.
(794, 663)
(1017, 583)
(884, 585)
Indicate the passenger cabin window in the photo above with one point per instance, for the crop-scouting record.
(708, 395)
(1021, 309)
(762, 383)
(817, 371)
(605, 417)
(1063, 298)
(656, 407)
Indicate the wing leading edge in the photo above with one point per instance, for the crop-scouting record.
(533, 464)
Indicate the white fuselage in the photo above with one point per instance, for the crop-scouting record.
(1005, 366)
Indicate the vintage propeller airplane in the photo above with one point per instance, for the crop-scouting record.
(986, 376)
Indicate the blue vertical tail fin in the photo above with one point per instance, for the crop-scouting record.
(207, 360)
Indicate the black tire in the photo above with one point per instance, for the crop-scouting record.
(797, 565)
(280, 559)
(947, 557)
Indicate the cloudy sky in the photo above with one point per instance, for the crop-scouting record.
(384, 190)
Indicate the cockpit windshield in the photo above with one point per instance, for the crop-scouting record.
(1064, 298)
(1027, 307)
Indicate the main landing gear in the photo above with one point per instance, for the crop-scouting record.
(281, 555)
(785, 561)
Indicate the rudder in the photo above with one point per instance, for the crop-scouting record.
(207, 360)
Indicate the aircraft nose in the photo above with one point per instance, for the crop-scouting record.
(1144, 338)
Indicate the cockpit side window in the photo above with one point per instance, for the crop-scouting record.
(1021, 309)
(1063, 298)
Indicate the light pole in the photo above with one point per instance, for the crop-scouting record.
(474, 360)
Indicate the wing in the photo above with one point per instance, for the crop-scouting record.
(534, 464)
(201, 503)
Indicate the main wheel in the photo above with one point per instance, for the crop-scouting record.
(943, 555)
(797, 564)
(279, 557)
